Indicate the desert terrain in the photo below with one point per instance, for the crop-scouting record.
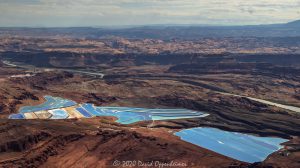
(150, 73)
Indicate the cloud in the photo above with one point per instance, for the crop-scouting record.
(128, 12)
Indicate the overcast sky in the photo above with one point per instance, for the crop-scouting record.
(57, 13)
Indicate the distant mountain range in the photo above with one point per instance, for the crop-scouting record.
(291, 29)
(294, 23)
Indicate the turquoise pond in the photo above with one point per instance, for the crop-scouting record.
(125, 115)
(243, 147)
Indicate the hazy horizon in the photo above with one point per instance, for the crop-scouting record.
(118, 13)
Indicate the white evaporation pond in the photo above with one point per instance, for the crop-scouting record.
(243, 147)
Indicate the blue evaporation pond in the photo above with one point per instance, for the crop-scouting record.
(58, 114)
(127, 115)
(90, 108)
(84, 112)
(51, 103)
(123, 114)
(16, 116)
(243, 147)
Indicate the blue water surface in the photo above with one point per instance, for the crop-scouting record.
(58, 114)
(128, 115)
(243, 147)
(125, 115)
(16, 116)
(50, 103)
(84, 112)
